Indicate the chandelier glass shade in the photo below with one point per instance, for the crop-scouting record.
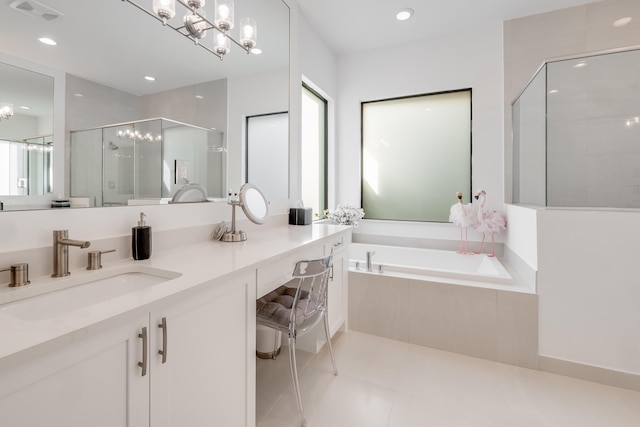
(224, 14)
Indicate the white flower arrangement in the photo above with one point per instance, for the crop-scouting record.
(346, 215)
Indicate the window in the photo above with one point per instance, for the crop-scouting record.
(268, 154)
(314, 151)
(416, 154)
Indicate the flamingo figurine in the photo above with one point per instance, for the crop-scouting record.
(462, 216)
(488, 222)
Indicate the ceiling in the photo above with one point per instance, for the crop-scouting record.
(113, 43)
(349, 26)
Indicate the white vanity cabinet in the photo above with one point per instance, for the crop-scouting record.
(88, 378)
(210, 337)
(95, 376)
(193, 336)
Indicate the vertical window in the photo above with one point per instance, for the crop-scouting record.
(314, 151)
(416, 154)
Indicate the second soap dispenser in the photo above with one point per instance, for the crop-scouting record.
(141, 240)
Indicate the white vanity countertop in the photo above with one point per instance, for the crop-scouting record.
(197, 263)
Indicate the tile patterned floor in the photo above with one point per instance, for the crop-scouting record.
(389, 383)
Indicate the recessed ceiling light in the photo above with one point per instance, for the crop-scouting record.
(150, 78)
(552, 91)
(622, 22)
(256, 51)
(79, 95)
(199, 97)
(25, 107)
(580, 65)
(48, 41)
(404, 14)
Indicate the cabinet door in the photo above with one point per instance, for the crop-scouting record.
(337, 292)
(203, 380)
(89, 378)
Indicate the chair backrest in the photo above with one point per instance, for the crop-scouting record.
(310, 300)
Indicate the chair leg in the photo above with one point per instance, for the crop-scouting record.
(294, 375)
(275, 344)
(328, 334)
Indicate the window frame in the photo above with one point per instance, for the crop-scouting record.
(466, 197)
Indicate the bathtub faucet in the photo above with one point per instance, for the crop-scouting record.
(369, 255)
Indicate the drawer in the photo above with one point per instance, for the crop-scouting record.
(279, 272)
(337, 243)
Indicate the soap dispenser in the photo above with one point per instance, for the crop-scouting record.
(141, 240)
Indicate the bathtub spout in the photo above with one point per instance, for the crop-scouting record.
(370, 254)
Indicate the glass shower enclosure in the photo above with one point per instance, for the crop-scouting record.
(576, 133)
(145, 162)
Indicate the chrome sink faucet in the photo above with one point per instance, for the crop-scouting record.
(370, 254)
(61, 243)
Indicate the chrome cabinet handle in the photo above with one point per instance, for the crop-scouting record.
(163, 352)
(337, 245)
(143, 364)
(331, 274)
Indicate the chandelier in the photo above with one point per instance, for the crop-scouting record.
(195, 24)
(6, 110)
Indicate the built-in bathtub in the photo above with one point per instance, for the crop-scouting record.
(464, 303)
(431, 264)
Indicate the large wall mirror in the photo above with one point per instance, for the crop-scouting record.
(104, 52)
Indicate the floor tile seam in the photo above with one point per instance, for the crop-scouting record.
(365, 380)
(275, 404)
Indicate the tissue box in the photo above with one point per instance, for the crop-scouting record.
(300, 216)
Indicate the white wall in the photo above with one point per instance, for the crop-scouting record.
(522, 234)
(588, 287)
(467, 60)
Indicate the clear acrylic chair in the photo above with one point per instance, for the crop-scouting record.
(298, 306)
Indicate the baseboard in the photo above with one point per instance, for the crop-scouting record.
(590, 373)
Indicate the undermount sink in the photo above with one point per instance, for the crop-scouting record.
(87, 290)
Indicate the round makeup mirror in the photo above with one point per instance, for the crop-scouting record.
(255, 207)
(254, 203)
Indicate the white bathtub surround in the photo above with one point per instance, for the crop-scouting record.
(488, 323)
(468, 304)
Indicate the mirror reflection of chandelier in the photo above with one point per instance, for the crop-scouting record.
(6, 110)
(138, 136)
(195, 24)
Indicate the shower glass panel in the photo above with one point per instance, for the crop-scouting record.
(576, 132)
(145, 162)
